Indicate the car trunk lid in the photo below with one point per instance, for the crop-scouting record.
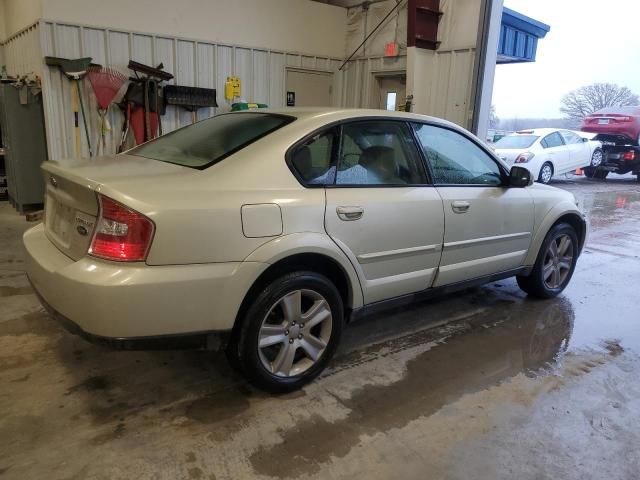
(71, 203)
(509, 155)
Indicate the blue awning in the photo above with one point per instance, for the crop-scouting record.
(519, 36)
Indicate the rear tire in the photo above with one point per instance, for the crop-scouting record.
(589, 172)
(275, 350)
(546, 173)
(554, 265)
(601, 174)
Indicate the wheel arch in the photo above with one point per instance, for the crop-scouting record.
(305, 251)
(559, 214)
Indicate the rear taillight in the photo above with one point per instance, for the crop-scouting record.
(629, 156)
(121, 234)
(524, 157)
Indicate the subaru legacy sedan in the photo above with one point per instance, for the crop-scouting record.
(272, 229)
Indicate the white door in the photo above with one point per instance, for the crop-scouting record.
(579, 150)
(380, 211)
(556, 152)
(309, 88)
(488, 227)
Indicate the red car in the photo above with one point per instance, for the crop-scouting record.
(614, 121)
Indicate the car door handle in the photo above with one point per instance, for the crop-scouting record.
(349, 214)
(460, 206)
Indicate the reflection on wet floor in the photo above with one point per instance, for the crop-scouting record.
(468, 355)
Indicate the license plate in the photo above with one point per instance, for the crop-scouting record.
(603, 121)
(60, 219)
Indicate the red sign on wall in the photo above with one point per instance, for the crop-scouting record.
(391, 49)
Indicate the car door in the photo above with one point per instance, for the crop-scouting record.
(579, 150)
(381, 210)
(488, 226)
(556, 152)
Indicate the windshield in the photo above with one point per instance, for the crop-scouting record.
(209, 141)
(516, 141)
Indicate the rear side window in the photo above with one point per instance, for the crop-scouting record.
(312, 160)
(209, 141)
(552, 140)
(378, 152)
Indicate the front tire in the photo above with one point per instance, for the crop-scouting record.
(554, 265)
(290, 331)
(546, 173)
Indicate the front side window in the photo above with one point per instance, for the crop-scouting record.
(209, 141)
(456, 160)
(552, 140)
(312, 160)
(378, 152)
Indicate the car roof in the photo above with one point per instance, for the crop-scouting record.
(331, 114)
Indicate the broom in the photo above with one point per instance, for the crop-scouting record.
(75, 71)
(106, 83)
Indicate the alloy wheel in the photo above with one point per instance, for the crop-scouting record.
(596, 158)
(295, 333)
(557, 261)
(546, 173)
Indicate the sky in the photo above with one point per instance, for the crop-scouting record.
(590, 41)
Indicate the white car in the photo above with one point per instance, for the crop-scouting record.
(276, 227)
(547, 152)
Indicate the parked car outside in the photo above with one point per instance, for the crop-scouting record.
(547, 152)
(274, 228)
(615, 121)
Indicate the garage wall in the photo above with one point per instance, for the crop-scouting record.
(441, 80)
(192, 62)
(15, 15)
(358, 78)
(441, 83)
(314, 28)
(361, 22)
(21, 52)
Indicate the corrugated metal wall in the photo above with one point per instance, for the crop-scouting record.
(358, 80)
(21, 52)
(447, 82)
(449, 86)
(193, 63)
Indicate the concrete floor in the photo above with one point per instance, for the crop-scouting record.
(486, 384)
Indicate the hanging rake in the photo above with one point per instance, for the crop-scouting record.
(106, 83)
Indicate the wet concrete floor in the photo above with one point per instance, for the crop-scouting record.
(484, 384)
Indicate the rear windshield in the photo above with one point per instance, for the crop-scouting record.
(209, 141)
(516, 141)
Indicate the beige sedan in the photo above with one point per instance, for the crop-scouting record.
(274, 228)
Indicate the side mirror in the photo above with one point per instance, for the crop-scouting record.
(520, 177)
(585, 140)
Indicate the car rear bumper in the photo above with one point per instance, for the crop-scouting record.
(111, 300)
